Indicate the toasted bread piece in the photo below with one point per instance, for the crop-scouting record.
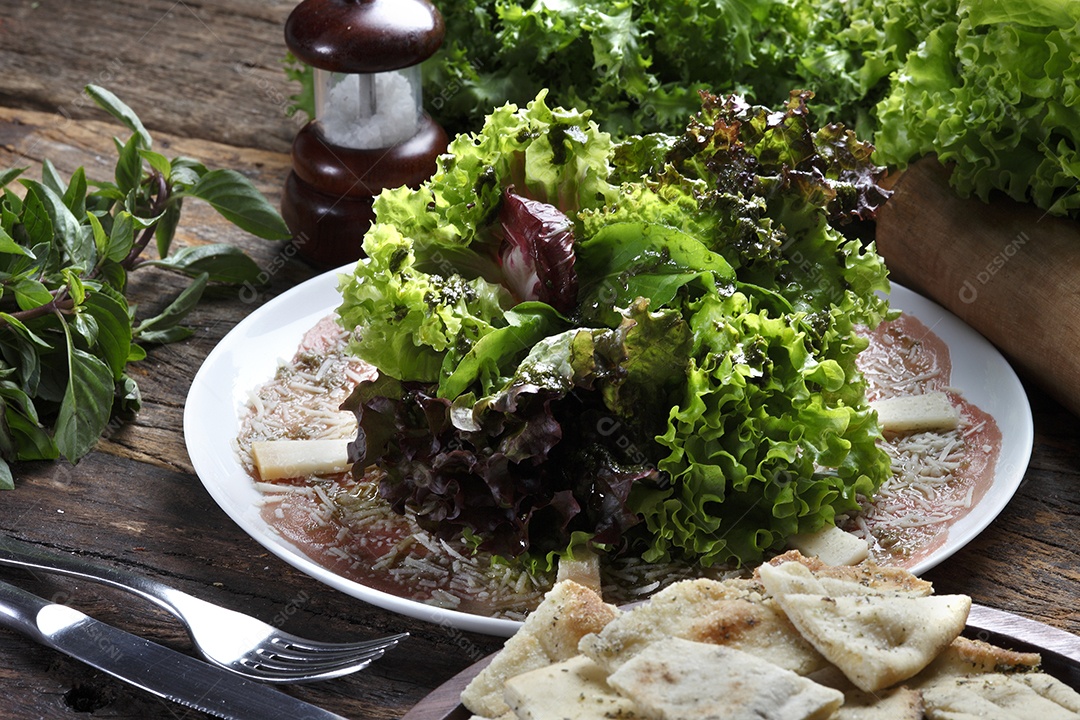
(729, 612)
(844, 579)
(677, 679)
(574, 689)
(549, 634)
(965, 656)
(484, 693)
(877, 640)
(998, 696)
(902, 703)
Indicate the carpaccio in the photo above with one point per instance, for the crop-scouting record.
(937, 477)
(342, 524)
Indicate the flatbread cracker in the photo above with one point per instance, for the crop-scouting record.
(730, 612)
(821, 579)
(965, 656)
(484, 693)
(549, 634)
(997, 696)
(878, 640)
(574, 689)
(677, 679)
(902, 703)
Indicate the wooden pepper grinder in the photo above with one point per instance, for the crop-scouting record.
(370, 131)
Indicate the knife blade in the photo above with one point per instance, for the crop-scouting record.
(157, 669)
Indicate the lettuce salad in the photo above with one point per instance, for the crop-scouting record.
(644, 347)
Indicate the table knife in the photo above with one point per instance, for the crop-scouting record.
(166, 673)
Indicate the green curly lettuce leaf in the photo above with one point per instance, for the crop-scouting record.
(993, 92)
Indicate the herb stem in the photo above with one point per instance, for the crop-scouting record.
(157, 206)
(60, 303)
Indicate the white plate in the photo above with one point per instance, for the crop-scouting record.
(249, 355)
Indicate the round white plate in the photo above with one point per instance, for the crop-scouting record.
(249, 355)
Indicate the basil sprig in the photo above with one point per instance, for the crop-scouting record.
(67, 331)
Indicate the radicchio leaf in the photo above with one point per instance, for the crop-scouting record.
(537, 253)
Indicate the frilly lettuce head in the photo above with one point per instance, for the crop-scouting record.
(645, 347)
(994, 92)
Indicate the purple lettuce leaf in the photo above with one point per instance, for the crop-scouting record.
(537, 252)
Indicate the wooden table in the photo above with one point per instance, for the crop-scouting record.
(207, 81)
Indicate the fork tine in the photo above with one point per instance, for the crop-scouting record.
(323, 649)
(285, 659)
(306, 672)
(282, 656)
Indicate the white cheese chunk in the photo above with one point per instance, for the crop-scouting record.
(916, 413)
(832, 546)
(277, 459)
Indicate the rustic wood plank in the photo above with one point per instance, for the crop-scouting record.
(208, 70)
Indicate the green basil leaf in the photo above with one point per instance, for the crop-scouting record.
(115, 107)
(241, 203)
(12, 394)
(75, 195)
(73, 239)
(112, 275)
(128, 395)
(86, 327)
(188, 164)
(157, 161)
(75, 286)
(166, 227)
(101, 238)
(13, 204)
(8, 448)
(8, 246)
(87, 404)
(222, 263)
(129, 167)
(7, 482)
(31, 438)
(114, 330)
(109, 193)
(122, 237)
(30, 293)
(136, 354)
(10, 174)
(175, 312)
(36, 222)
(169, 335)
(20, 351)
(26, 333)
(51, 178)
(183, 177)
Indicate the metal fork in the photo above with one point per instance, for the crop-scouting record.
(226, 638)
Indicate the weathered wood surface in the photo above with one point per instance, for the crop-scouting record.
(135, 501)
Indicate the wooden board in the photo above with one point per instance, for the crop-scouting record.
(1009, 270)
